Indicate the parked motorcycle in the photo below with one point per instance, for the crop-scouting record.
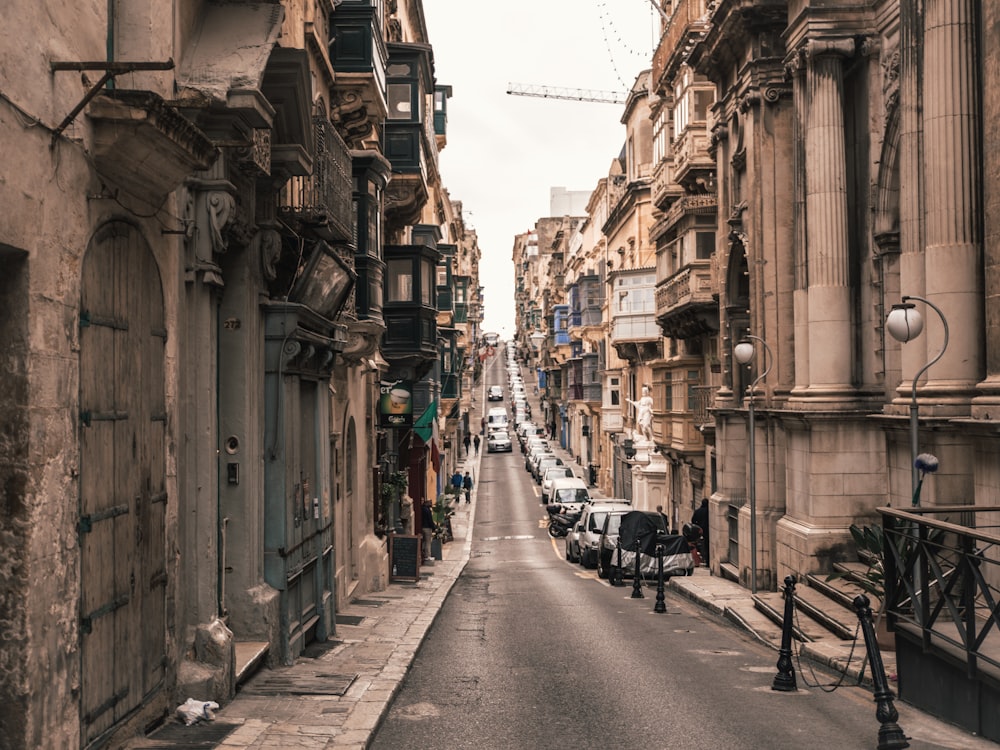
(560, 523)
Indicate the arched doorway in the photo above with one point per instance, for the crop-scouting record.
(123, 499)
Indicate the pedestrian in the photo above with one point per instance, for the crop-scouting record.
(427, 526)
(700, 519)
(467, 441)
(456, 484)
(476, 441)
(482, 425)
(467, 484)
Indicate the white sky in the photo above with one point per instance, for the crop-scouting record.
(505, 152)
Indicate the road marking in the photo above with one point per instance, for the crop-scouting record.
(503, 538)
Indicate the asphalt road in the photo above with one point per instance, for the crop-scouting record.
(530, 651)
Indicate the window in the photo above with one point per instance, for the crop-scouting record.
(705, 242)
(399, 103)
(660, 137)
(400, 280)
(426, 283)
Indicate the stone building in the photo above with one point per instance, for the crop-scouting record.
(195, 332)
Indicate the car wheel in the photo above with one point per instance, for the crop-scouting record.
(567, 553)
(602, 572)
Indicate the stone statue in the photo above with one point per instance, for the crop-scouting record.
(644, 413)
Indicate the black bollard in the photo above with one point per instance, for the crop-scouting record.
(890, 736)
(637, 580)
(661, 605)
(617, 578)
(785, 679)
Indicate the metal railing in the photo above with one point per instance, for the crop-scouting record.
(942, 579)
(324, 197)
(736, 501)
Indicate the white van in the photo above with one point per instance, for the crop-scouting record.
(592, 523)
(496, 418)
(569, 492)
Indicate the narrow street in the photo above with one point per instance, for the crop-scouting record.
(532, 651)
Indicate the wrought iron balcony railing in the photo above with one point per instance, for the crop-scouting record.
(942, 581)
(322, 200)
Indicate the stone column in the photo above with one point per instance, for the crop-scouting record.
(989, 402)
(953, 259)
(795, 68)
(829, 305)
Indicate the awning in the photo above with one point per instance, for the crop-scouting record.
(225, 60)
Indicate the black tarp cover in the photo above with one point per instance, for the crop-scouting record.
(649, 528)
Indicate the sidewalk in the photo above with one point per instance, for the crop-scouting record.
(336, 696)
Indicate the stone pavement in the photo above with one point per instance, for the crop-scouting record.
(378, 637)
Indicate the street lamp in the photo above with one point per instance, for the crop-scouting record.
(904, 323)
(744, 353)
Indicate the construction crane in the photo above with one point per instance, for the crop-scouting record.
(577, 95)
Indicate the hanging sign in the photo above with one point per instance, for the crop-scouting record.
(395, 406)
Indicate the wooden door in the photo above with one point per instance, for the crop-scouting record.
(122, 490)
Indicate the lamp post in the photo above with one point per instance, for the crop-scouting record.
(744, 353)
(904, 323)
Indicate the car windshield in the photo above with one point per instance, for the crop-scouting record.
(596, 521)
(571, 495)
(501, 436)
(614, 523)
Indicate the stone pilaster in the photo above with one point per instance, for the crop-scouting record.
(829, 303)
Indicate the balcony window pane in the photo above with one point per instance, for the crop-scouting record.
(400, 280)
(705, 245)
(399, 101)
(426, 282)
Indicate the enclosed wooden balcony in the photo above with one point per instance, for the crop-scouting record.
(358, 54)
(410, 305)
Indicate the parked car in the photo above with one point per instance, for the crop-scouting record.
(573, 543)
(569, 492)
(551, 474)
(528, 430)
(642, 529)
(543, 463)
(495, 393)
(533, 457)
(498, 442)
(592, 523)
(533, 441)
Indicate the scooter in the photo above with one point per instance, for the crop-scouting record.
(560, 523)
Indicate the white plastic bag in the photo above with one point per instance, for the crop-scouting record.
(191, 711)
